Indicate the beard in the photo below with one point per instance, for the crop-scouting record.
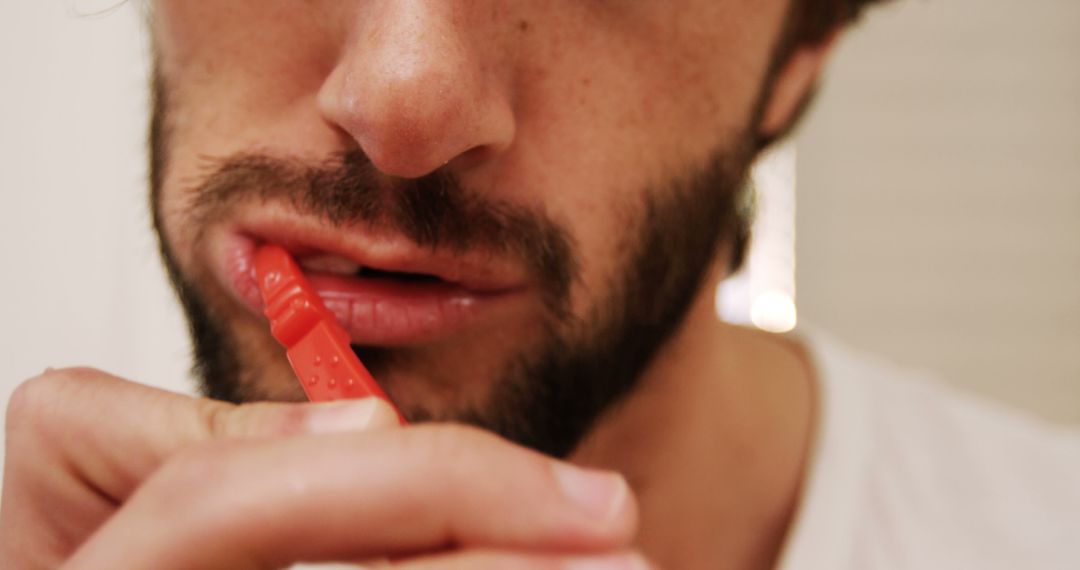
(547, 395)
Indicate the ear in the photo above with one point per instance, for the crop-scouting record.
(793, 84)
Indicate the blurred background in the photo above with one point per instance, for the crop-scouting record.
(928, 211)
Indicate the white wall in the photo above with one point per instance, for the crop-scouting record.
(939, 196)
(81, 279)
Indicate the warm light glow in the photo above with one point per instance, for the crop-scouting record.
(762, 294)
(773, 311)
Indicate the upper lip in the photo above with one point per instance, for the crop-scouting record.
(477, 270)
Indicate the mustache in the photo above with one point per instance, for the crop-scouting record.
(435, 211)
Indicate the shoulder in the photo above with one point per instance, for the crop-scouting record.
(918, 475)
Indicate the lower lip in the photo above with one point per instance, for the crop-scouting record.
(374, 311)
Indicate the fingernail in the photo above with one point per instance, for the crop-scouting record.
(632, 561)
(348, 415)
(602, 494)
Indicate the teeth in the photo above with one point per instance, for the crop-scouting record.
(330, 264)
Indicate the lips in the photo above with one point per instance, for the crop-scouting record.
(384, 291)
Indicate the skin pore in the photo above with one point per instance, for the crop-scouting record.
(572, 110)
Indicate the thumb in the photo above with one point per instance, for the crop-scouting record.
(270, 419)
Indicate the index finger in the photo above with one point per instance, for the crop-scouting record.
(114, 433)
(78, 442)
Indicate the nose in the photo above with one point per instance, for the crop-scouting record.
(417, 90)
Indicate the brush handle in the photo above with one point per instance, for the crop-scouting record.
(316, 344)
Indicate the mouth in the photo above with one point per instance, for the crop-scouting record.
(385, 291)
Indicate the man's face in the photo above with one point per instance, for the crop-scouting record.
(509, 205)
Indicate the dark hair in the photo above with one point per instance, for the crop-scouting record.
(811, 21)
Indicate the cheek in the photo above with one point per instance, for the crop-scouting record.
(231, 87)
(604, 118)
(244, 73)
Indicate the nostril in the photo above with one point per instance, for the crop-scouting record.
(475, 156)
(414, 107)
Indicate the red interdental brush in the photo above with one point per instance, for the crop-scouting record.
(316, 344)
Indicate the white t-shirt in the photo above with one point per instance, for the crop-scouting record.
(908, 474)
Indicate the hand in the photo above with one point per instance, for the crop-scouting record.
(104, 473)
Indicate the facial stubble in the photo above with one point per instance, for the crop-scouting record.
(550, 393)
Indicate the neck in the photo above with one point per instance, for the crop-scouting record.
(714, 443)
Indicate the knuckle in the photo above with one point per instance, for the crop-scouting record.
(222, 420)
(26, 397)
(37, 402)
(215, 416)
